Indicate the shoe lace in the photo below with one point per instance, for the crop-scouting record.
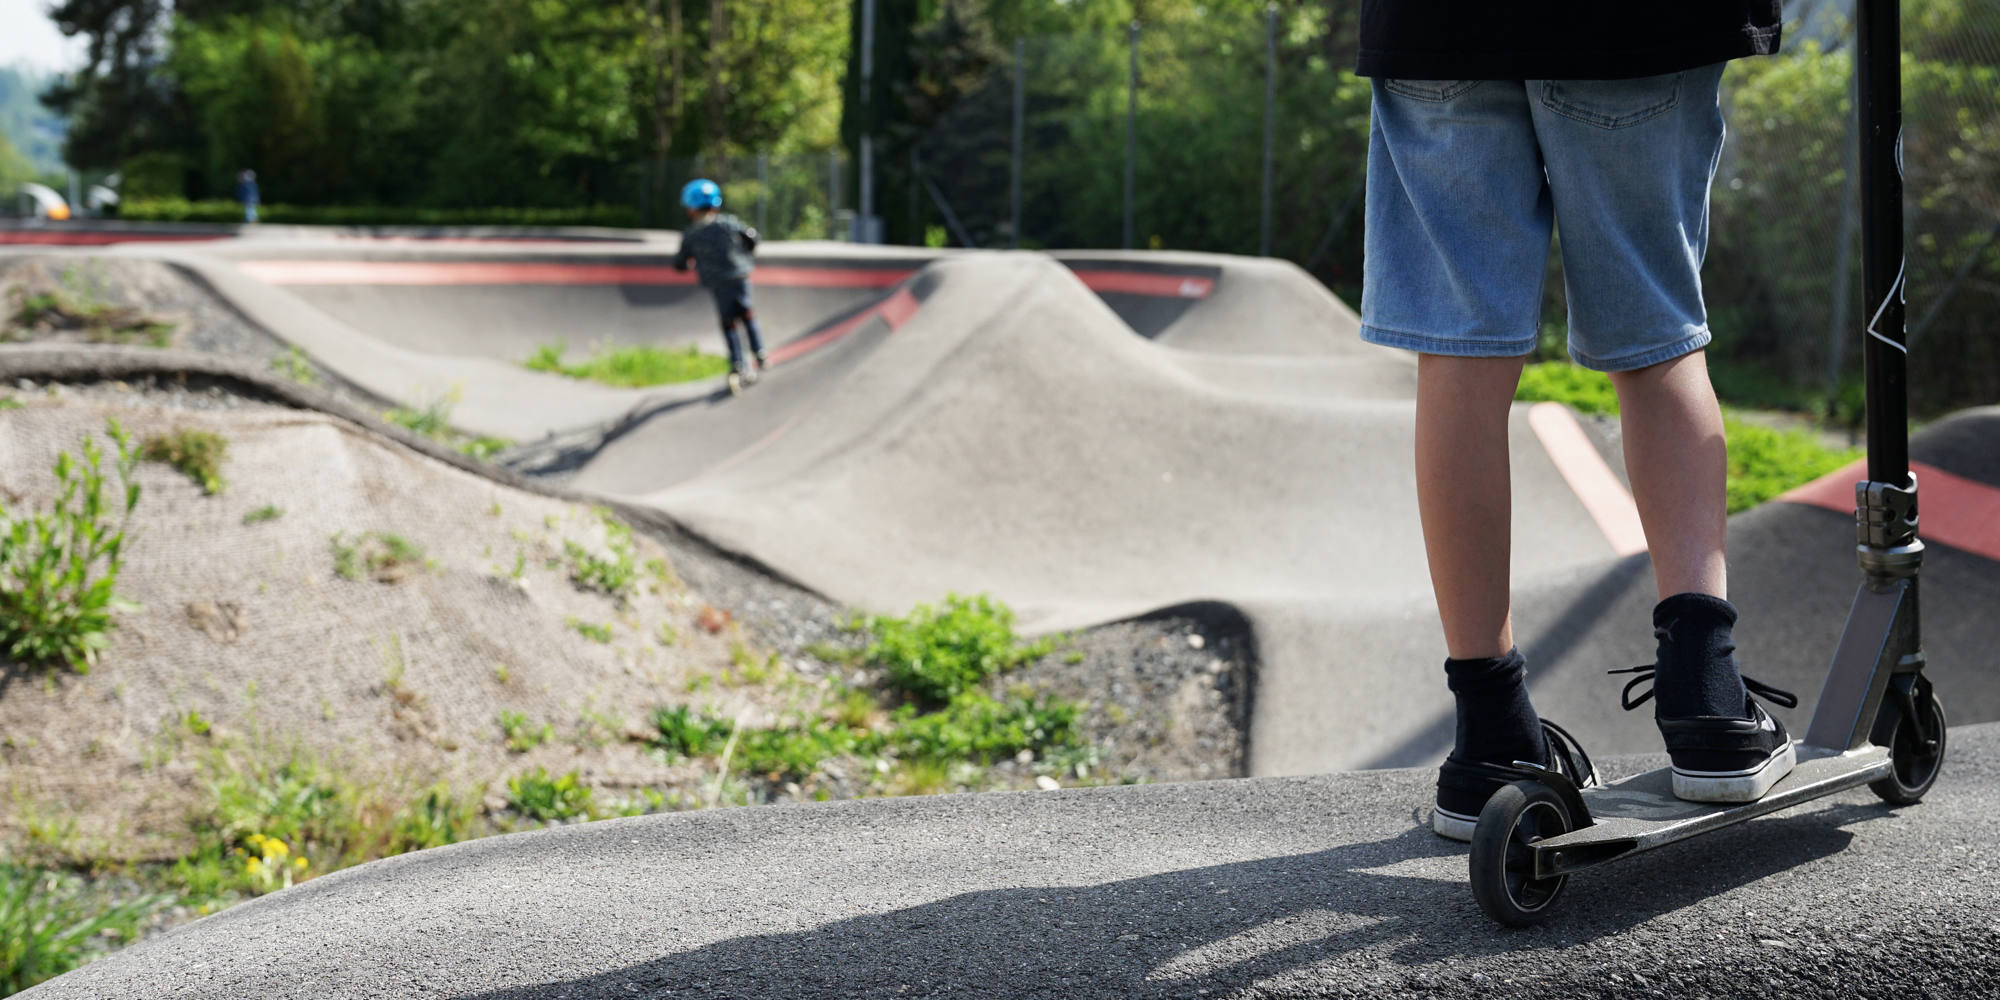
(1576, 762)
(1644, 672)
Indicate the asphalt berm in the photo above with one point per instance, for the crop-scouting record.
(1257, 888)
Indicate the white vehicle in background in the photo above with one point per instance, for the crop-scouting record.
(42, 202)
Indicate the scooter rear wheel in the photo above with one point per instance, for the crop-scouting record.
(1914, 754)
(1503, 862)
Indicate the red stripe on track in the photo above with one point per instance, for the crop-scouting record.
(1951, 510)
(895, 310)
(365, 272)
(20, 238)
(1165, 286)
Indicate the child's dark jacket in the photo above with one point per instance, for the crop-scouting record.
(720, 249)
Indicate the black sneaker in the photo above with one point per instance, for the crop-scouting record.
(1465, 785)
(1722, 758)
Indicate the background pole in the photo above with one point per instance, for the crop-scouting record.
(1020, 122)
(1270, 125)
(1131, 126)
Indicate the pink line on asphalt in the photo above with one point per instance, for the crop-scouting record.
(1165, 286)
(895, 310)
(1951, 510)
(367, 272)
(89, 239)
(1593, 482)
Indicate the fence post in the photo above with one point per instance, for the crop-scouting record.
(1131, 126)
(833, 194)
(1270, 120)
(763, 193)
(1020, 116)
(864, 233)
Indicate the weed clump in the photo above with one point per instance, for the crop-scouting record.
(613, 571)
(433, 420)
(521, 736)
(196, 454)
(268, 512)
(936, 654)
(54, 313)
(538, 796)
(59, 570)
(379, 555)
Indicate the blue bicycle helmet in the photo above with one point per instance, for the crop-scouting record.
(701, 193)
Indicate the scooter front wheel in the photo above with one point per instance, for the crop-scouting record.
(1503, 860)
(1916, 748)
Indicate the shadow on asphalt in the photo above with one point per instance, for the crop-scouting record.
(1211, 929)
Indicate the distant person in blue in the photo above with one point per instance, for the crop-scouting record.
(246, 192)
(720, 246)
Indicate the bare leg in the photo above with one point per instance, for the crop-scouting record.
(1464, 495)
(1678, 464)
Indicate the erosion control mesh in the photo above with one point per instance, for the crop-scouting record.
(245, 621)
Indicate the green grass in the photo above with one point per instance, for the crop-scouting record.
(631, 367)
(59, 569)
(1763, 462)
(268, 512)
(196, 454)
(51, 922)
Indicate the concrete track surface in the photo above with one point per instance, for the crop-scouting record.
(1094, 436)
(1090, 436)
(1302, 887)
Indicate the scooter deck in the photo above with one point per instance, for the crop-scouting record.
(1641, 812)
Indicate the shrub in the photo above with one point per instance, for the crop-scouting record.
(935, 654)
(196, 454)
(58, 570)
(1561, 382)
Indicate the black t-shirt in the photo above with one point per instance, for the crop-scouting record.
(1559, 39)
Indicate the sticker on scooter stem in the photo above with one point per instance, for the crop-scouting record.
(1895, 295)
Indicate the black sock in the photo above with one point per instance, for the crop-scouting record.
(1496, 722)
(1695, 668)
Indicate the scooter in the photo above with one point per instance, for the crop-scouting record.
(1877, 722)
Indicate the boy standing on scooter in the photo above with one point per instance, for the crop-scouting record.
(720, 246)
(1492, 123)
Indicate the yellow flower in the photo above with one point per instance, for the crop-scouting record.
(299, 862)
(275, 848)
(253, 866)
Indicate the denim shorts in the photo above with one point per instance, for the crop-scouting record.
(1466, 179)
